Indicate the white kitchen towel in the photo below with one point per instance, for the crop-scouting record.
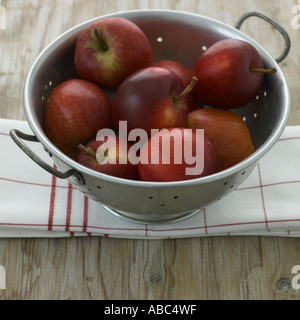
(33, 203)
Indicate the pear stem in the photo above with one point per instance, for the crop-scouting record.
(99, 37)
(272, 70)
(88, 151)
(187, 90)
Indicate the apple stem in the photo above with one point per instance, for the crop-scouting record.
(272, 70)
(89, 151)
(99, 37)
(187, 90)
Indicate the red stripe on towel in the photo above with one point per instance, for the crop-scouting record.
(262, 196)
(69, 207)
(85, 213)
(52, 201)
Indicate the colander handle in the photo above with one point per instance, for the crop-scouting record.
(17, 136)
(282, 31)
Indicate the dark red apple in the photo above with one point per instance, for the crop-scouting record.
(177, 154)
(230, 74)
(110, 49)
(151, 98)
(227, 132)
(75, 111)
(110, 156)
(186, 75)
(181, 70)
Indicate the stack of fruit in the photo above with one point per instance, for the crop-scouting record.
(167, 109)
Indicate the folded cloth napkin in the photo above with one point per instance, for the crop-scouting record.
(33, 203)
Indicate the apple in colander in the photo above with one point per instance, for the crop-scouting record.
(110, 49)
(230, 74)
(177, 154)
(186, 75)
(75, 111)
(152, 98)
(227, 132)
(110, 155)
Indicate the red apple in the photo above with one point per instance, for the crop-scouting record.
(177, 154)
(110, 156)
(227, 132)
(185, 74)
(151, 98)
(230, 74)
(181, 70)
(75, 111)
(110, 49)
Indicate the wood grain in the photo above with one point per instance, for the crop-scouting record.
(243, 268)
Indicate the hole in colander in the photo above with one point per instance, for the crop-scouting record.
(151, 197)
(162, 205)
(50, 83)
(43, 98)
(204, 48)
(243, 173)
(176, 197)
(98, 187)
(244, 119)
(226, 183)
(255, 115)
(231, 187)
(159, 39)
(265, 93)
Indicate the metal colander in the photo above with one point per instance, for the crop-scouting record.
(173, 35)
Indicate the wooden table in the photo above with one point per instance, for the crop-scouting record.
(100, 268)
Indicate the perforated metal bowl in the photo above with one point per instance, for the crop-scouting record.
(173, 35)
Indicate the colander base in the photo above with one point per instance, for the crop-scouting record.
(151, 219)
